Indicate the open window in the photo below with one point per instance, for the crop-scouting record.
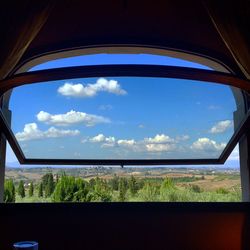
(114, 114)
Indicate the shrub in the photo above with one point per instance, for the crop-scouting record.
(9, 191)
(221, 191)
(196, 188)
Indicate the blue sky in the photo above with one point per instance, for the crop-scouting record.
(122, 117)
(105, 59)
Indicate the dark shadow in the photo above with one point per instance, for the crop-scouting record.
(246, 232)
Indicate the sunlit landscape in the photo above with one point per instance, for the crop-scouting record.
(106, 184)
(123, 118)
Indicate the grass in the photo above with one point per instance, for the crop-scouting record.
(177, 194)
(32, 199)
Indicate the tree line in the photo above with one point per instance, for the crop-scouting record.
(66, 188)
(45, 188)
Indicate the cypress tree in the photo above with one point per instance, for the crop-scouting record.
(132, 185)
(40, 190)
(57, 178)
(114, 182)
(122, 189)
(21, 190)
(48, 184)
(31, 189)
(101, 191)
(9, 191)
(60, 193)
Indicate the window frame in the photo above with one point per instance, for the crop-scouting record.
(124, 70)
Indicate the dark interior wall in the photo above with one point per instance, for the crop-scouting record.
(126, 225)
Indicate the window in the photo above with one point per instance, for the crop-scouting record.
(134, 116)
(127, 118)
(107, 59)
(186, 183)
(120, 55)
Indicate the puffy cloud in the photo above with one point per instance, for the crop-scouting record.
(32, 132)
(159, 139)
(205, 144)
(160, 147)
(159, 143)
(70, 118)
(156, 144)
(43, 116)
(107, 141)
(111, 141)
(98, 138)
(221, 127)
(126, 143)
(54, 132)
(90, 90)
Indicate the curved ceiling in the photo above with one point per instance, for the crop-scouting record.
(180, 25)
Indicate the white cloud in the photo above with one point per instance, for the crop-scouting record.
(98, 138)
(32, 132)
(159, 143)
(221, 127)
(90, 90)
(107, 141)
(156, 144)
(70, 118)
(54, 132)
(205, 144)
(160, 147)
(111, 141)
(126, 143)
(159, 139)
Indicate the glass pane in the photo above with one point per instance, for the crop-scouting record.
(123, 118)
(107, 59)
(203, 183)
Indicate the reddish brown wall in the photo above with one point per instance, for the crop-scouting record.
(126, 226)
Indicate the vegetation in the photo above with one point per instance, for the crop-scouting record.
(21, 190)
(67, 188)
(40, 190)
(48, 184)
(31, 189)
(9, 191)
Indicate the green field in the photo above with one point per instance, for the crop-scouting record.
(128, 184)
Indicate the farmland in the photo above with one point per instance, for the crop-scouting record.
(127, 184)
